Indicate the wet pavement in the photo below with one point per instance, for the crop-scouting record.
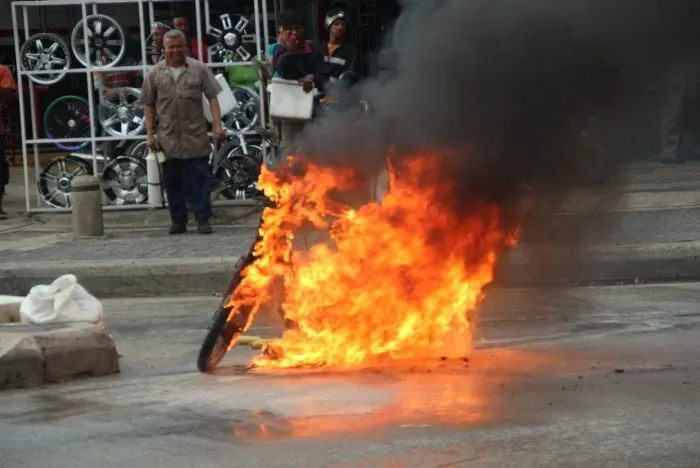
(604, 376)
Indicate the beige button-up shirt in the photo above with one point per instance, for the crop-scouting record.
(181, 127)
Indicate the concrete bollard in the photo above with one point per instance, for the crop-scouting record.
(86, 202)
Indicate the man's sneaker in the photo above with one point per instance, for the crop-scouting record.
(3, 214)
(203, 227)
(177, 229)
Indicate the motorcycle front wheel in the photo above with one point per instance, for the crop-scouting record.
(228, 322)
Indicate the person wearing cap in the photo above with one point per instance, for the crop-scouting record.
(340, 55)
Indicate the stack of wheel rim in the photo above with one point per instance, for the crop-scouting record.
(99, 41)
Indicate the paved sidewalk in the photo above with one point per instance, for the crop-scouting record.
(147, 262)
(639, 186)
(652, 236)
(125, 263)
(128, 245)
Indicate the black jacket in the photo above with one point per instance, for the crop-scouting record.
(344, 59)
(294, 66)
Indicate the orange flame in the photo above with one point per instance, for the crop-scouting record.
(399, 278)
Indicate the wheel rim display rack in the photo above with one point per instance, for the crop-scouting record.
(43, 70)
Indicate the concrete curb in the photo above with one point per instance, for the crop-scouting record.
(601, 265)
(34, 355)
(601, 201)
(125, 278)
(525, 266)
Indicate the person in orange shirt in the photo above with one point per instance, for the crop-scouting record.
(8, 91)
(340, 54)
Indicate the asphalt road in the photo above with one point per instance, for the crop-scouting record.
(577, 377)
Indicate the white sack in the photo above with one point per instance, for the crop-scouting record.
(64, 300)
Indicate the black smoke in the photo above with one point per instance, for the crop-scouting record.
(521, 90)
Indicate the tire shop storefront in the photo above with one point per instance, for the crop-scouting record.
(80, 64)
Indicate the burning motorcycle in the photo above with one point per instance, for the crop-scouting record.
(230, 320)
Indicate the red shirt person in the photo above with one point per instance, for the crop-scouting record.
(183, 24)
(8, 91)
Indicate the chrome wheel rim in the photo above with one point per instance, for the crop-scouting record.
(56, 181)
(232, 38)
(105, 41)
(45, 52)
(124, 181)
(246, 114)
(120, 113)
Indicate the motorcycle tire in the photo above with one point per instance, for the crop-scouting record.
(228, 323)
(238, 174)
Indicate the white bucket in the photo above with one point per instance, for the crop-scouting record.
(288, 101)
(227, 101)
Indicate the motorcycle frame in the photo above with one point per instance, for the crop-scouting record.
(20, 21)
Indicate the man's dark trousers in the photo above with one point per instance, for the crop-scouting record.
(188, 175)
(4, 167)
(679, 112)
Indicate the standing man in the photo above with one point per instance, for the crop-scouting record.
(182, 23)
(300, 60)
(172, 93)
(340, 54)
(8, 91)
(271, 48)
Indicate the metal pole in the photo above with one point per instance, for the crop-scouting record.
(207, 25)
(32, 104)
(101, 83)
(266, 27)
(91, 99)
(151, 15)
(198, 19)
(22, 124)
(262, 88)
(257, 28)
(151, 21)
(142, 33)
